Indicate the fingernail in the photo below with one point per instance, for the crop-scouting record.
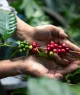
(58, 76)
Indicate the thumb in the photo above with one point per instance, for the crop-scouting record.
(59, 32)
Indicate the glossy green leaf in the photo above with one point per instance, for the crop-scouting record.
(45, 86)
(7, 24)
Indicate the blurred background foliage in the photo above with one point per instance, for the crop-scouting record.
(62, 13)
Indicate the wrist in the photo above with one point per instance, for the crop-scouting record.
(21, 65)
(23, 30)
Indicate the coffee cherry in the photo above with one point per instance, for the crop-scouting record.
(25, 42)
(59, 50)
(30, 47)
(34, 50)
(33, 42)
(79, 53)
(34, 45)
(64, 45)
(52, 43)
(67, 49)
(52, 46)
(22, 45)
(20, 50)
(26, 46)
(24, 49)
(51, 53)
(56, 45)
(63, 51)
(55, 51)
(60, 47)
(19, 46)
(38, 45)
(48, 49)
(48, 45)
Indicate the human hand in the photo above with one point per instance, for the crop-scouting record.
(40, 67)
(43, 34)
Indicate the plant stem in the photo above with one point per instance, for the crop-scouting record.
(1, 44)
(13, 54)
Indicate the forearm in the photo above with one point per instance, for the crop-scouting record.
(10, 68)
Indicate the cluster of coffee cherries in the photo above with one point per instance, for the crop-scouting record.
(50, 49)
(53, 47)
(23, 46)
(34, 47)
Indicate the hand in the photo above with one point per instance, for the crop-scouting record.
(39, 67)
(43, 34)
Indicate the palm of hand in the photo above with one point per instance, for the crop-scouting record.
(39, 66)
(44, 34)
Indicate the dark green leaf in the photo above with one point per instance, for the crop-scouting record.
(7, 24)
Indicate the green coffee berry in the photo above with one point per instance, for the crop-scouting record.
(26, 46)
(22, 45)
(20, 50)
(30, 47)
(51, 53)
(25, 42)
(19, 46)
(24, 49)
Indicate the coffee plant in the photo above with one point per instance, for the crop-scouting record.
(44, 86)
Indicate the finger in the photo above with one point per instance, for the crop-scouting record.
(58, 76)
(76, 62)
(59, 60)
(71, 45)
(52, 75)
(59, 32)
(48, 75)
(68, 69)
(68, 57)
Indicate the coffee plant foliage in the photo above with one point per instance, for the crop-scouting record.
(32, 13)
(7, 24)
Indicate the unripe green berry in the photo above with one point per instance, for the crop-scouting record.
(51, 53)
(20, 50)
(30, 47)
(24, 49)
(26, 46)
(19, 46)
(25, 41)
(22, 45)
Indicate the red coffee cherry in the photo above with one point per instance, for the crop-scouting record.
(59, 50)
(34, 50)
(79, 53)
(48, 49)
(64, 45)
(34, 44)
(67, 49)
(52, 42)
(38, 45)
(63, 51)
(52, 46)
(60, 47)
(55, 51)
(48, 45)
(55, 45)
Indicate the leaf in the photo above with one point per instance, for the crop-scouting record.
(7, 24)
(18, 42)
(42, 54)
(45, 86)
